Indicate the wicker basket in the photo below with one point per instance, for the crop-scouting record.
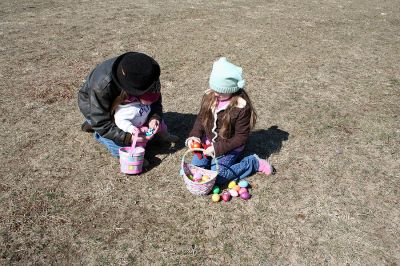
(196, 188)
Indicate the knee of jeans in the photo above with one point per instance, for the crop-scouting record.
(221, 168)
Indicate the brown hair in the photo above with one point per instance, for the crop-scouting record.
(120, 98)
(209, 101)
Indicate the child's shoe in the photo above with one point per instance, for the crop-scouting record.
(86, 127)
(264, 166)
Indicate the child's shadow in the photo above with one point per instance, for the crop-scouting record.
(266, 142)
(178, 124)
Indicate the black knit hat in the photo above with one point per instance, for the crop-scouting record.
(136, 73)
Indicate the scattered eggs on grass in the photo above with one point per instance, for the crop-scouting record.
(215, 197)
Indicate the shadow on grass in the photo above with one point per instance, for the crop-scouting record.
(266, 142)
(262, 142)
(178, 124)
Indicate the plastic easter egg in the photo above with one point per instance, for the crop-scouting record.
(245, 195)
(243, 183)
(198, 180)
(197, 175)
(205, 178)
(215, 197)
(231, 184)
(226, 196)
(196, 145)
(243, 190)
(233, 193)
(216, 190)
(190, 177)
(237, 188)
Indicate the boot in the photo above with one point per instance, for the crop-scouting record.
(86, 127)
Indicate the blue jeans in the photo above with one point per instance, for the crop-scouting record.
(229, 168)
(112, 147)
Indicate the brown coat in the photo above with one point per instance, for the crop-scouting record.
(238, 135)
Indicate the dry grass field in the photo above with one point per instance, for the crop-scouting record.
(324, 76)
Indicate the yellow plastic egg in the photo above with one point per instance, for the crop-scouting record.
(215, 197)
(231, 184)
(205, 178)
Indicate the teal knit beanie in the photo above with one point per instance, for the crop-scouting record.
(226, 77)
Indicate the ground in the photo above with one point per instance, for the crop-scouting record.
(324, 78)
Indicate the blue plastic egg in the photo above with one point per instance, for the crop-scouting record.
(243, 183)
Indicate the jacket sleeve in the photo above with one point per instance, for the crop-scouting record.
(156, 111)
(197, 130)
(123, 118)
(241, 134)
(101, 120)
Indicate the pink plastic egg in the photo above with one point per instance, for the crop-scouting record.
(226, 196)
(242, 190)
(197, 175)
(245, 195)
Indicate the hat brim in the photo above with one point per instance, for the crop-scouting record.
(131, 90)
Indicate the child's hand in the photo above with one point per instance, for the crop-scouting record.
(140, 138)
(134, 130)
(209, 151)
(155, 125)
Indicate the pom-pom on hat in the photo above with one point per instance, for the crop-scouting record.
(226, 77)
(136, 73)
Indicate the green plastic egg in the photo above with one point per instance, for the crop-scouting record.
(216, 190)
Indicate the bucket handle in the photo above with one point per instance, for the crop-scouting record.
(135, 137)
(202, 150)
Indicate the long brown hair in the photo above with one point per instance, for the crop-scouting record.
(208, 103)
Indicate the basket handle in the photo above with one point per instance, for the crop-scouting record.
(135, 137)
(202, 150)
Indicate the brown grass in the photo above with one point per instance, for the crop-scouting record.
(324, 73)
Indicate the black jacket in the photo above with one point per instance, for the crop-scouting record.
(95, 99)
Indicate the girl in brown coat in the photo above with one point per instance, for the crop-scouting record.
(224, 122)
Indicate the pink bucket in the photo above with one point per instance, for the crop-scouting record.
(131, 158)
